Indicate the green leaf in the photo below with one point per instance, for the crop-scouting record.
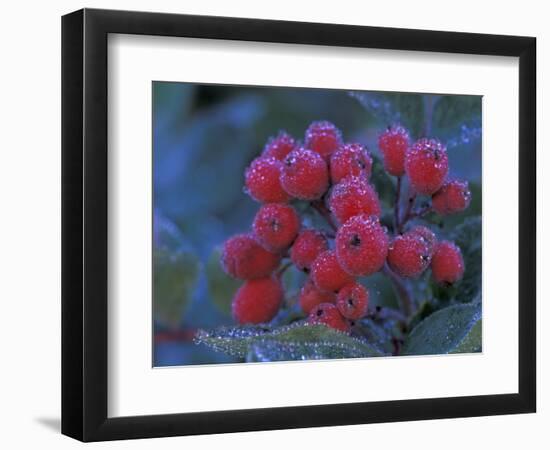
(468, 237)
(174, 278)
(221, 286)
(455, 329)
(298, 341)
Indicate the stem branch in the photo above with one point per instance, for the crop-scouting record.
(396, 208)
(320, 207)
(405, 299)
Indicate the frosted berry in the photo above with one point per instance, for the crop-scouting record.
(307, 246)
(426, 165)
(393, 144)
(323, 138)
(328, 274)
(426, 234)
(263, 181)
(280, 146)
(353, 196)
(244, 258)
(447, 263)
(353, 301)
(453, 197)
(257, 301)
(276, 226)
(311, 296)
(304, 174)
(409, 255)
(327, 314)
(362, 245)
(350, 160)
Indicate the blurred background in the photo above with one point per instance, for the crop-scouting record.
(204, 136)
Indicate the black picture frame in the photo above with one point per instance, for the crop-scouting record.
(84, 224)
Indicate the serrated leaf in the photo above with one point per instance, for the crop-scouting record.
(174, 278)
(298, 341)
(455, 329)
(221, 286)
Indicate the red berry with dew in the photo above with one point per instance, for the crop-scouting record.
(328, 274)
(304, 174)
(280, 146)
(311, 296)
(242, 257)
(276, 226)
(362, 245)
(453, 197)
(257, 301)
(409, 255)
(263, 181)
(353, 196)
(307, 246)
(353, 301)
(323, 138)
(393, 144)
(447, 263)
(350, 160)
(328, 314)
(427, 165)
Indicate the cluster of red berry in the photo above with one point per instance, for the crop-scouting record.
(334, 177)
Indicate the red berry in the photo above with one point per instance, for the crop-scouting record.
(353, 196)
(393, 144)
(262, 181)
(353, 301)
(350, 160)
(453, 197)
(257, 301)
(310, 297)
(244, 258)
(447, 263)
(276, 226)
(426, 234)
(327, 314)
(323, 137)
(409, 255)
(307, 246)
(327, 273)
(362, 245)
(427, 165)
(304, 174)
(279, 146)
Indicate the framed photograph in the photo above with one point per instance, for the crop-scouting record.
(273, 224)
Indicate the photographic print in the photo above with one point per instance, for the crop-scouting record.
(311, 224)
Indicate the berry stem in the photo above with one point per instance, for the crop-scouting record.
(396, 208)
(283, 269)
(405, 299)
(320, 207)
(407, 215)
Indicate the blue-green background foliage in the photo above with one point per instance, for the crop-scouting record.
(204, 136)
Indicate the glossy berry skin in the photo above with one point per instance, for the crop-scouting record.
(327, 314)
(257, 301)
(323, 138)
(280, 146)
(327, 273)
(409, 255)
(353, 301)
(426, 165)
(242, 257)
(350, 160)
(263, 181)
(362, 245)
(304, 174)
(307, 246)
(353, 196)
(310, 297)
(276, 226)
(426, 234)
(453, 197)
(447, 263)
(393, 144)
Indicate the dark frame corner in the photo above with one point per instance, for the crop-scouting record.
(84, 224)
